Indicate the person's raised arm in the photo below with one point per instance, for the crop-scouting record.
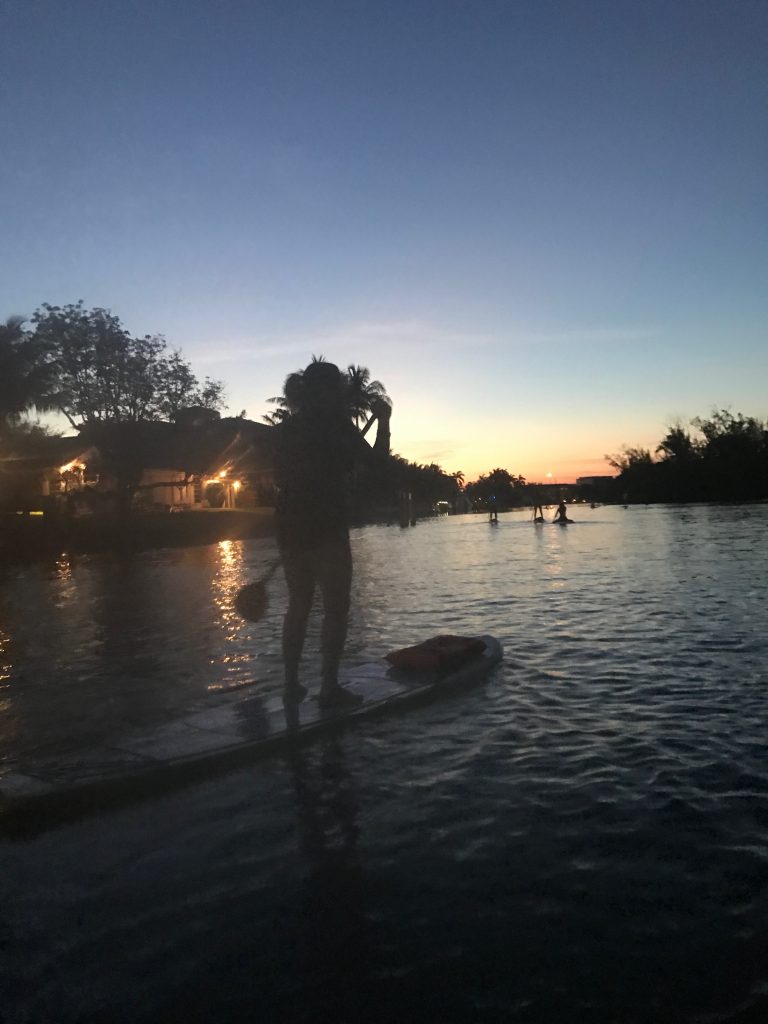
(382, 412)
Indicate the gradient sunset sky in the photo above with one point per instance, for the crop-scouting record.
(543, 226)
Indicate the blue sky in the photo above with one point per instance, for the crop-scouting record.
(543, 226)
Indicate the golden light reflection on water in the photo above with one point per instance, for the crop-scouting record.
(228, 577)
(6, 723)
(554, 563)
(230, 574)
(5, 662)
(63, 567)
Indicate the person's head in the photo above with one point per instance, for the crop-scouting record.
(323, 386)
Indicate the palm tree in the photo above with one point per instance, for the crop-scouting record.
(289, 401)
(363, 392)
(24, 373)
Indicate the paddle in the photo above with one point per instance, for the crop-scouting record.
(252, 599)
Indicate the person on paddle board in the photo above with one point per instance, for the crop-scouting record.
(316, 450)
(561, 516)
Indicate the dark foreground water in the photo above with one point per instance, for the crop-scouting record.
(584, 838)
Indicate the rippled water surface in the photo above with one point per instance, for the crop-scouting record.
(585, 837)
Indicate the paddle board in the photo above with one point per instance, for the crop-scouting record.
(231, 732)
(383, 687)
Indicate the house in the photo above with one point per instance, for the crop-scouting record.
(48, 469)
(196, 462)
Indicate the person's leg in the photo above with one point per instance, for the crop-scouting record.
(297, 565)
(333, 567)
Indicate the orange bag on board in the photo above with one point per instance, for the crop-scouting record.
(440, 653)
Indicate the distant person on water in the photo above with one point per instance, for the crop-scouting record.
(538, 514)
(561, 516)
(316, 450)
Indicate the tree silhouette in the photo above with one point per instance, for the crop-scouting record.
(499, 488)
(25, 378)
(677, 444)
(100, 374)
(363, 391)
(728, 463)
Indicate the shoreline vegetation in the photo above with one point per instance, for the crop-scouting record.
(150, 439)
(723, 458)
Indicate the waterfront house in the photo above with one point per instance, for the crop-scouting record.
(194, 463)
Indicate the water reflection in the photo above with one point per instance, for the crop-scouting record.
(5, 656)
(229, 576)
(6, 720)
(241, 640)
(63, 567)
(335, 944)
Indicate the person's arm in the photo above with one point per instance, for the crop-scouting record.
(381, 411)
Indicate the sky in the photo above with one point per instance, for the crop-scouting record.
(543, 226)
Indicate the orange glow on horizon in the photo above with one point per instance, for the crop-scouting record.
(527, 445)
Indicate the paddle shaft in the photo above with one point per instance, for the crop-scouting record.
(367, 426)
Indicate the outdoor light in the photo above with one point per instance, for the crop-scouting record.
(236, 484)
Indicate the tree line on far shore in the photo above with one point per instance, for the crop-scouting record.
(85, 366)
(724, 457)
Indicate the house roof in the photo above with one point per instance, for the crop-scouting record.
(231, 443)
(43, 453)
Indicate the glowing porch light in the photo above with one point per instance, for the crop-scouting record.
(236, 485)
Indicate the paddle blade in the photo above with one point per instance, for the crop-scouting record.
(251, 601)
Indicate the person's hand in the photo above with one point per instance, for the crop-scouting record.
(380, 409)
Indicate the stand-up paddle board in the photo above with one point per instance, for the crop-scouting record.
(234, 731)
(384, 687)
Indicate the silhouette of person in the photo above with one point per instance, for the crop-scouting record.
(538, 514)
(316, 449)
(561, 516)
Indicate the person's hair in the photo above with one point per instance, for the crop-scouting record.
(322, 374)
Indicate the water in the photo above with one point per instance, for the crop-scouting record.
(583, 838)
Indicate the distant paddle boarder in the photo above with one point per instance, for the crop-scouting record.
(316, 449)
(538, 514)
(561, 516)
